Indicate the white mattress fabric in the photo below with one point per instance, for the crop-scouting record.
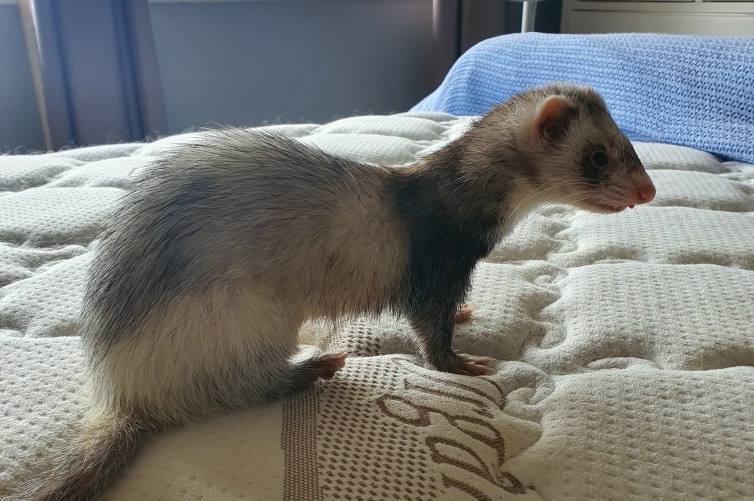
(626, 346)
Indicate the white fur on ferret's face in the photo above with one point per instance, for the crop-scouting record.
(595, 164)
(612, 177)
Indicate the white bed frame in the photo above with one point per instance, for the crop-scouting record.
(694, 17)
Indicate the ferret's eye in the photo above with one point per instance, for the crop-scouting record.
(599, 158)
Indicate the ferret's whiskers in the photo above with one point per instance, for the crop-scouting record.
(536, 193)
(649, 152)
(548, 186)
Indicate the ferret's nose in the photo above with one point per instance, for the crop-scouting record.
(645, 192)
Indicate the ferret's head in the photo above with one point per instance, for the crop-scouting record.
(576, 153)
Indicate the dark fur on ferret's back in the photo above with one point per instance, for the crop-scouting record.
(185, 209)
(223, 247)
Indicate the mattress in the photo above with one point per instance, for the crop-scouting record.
(625, 346)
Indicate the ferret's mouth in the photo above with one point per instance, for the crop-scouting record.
(604, 207)
(618, 198)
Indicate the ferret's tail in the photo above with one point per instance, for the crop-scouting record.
(94, 458)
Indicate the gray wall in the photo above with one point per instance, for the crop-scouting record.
(257, 62)
(250, 62)
(20, 129)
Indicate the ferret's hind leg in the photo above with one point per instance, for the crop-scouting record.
(322, 366)
(299, 374)
(265, 361)
(225, 349)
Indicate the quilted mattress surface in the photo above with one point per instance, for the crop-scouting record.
(626, 346)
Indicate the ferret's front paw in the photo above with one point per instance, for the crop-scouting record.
(329, 363)
(472, 365)
(462, 314)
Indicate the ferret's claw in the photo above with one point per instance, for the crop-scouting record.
(462, 314)
(472, 365)
(330, 362)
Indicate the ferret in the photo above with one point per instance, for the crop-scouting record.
(223, 247)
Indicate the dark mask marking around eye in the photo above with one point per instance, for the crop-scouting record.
(594, 163)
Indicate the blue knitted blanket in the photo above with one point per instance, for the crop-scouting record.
(686, 90)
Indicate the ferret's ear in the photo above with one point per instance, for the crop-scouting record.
(553, 115)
